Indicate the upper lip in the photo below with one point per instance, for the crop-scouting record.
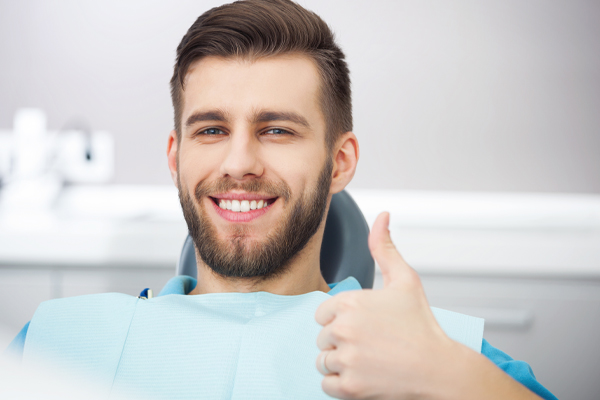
(242, 196)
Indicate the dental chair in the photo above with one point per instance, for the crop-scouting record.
(344, 251)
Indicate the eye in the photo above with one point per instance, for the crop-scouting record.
(211, 132)
(278, 131)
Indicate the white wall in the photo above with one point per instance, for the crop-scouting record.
(448, 95)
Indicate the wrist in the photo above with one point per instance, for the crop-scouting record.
(455, 372)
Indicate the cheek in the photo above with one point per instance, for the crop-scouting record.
(303, 156)
(299, 169)
(196, 165)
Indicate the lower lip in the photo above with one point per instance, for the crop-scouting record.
(247, 216)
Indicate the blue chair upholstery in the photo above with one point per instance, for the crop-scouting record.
(344, 252)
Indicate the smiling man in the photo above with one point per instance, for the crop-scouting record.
(262, 140)
(255, 167)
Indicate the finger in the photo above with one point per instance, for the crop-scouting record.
(333, 362)
(326, 340)
(327, 311)
(331, 385)
(323, 363)
(391, 263)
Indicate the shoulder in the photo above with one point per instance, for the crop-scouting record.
(80, 308)
(67, 314)
(90, 306)
(176, 285)
(518, 370)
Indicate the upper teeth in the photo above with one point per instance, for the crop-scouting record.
(243, 205)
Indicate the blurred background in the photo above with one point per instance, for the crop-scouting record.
(479, 128)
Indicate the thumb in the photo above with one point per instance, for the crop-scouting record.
(392, 265)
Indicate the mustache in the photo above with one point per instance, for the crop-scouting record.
(260, 186)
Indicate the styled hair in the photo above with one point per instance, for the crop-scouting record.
(254, 29)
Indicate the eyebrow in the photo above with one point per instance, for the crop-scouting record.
(200, 116)
(262, 116)
(269, 116)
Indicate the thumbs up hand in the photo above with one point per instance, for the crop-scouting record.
(386, 344)
(377, 342)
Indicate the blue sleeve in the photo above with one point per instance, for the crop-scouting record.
(518, 370)
(15, 348)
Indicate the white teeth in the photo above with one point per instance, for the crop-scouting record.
(242, 205)
(245, 206)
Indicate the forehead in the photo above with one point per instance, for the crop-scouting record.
(241, 87)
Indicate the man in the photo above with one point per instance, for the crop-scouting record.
(262, 140)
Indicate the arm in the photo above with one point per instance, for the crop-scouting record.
(386, 344)
(518, 370)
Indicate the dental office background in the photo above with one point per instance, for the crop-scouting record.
(479, 127)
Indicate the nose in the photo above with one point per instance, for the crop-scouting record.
(242, 157)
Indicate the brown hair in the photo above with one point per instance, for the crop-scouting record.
(262, 28)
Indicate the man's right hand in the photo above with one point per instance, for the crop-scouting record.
(386, 344)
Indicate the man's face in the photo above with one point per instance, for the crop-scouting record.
(253, 171)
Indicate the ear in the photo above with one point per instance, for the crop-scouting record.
(172, 155)
(345, 157)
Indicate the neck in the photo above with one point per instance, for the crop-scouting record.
(303, 275)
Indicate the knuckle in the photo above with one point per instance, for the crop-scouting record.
(320, 313)
(349, 359)
(323, 315)
(342, 332)
(349, 301)
(412, 279)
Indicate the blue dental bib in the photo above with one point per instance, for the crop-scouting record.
(214, 346)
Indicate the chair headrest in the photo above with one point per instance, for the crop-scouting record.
(344, 252)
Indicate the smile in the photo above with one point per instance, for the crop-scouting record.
(242, 207)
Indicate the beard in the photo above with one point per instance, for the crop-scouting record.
(239, 256)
